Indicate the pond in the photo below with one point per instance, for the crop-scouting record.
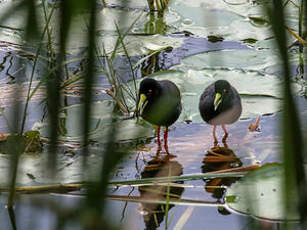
(193, 44)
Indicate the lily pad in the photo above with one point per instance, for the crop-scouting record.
(259, 194)
(32, 169)
(101, 122)
(247, 59)
(228, 20)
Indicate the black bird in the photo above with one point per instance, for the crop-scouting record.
(220, 104)
(159, 102)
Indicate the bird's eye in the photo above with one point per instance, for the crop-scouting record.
(149, 92)
(224, 90)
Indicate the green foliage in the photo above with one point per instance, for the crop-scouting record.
(260, 194)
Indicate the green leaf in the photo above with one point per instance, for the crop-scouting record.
(101, 120)
(260, 194)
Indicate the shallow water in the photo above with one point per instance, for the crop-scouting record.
(190, 143)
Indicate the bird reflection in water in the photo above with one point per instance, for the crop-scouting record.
(154, 213)
(216, 159)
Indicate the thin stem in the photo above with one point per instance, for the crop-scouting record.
(33, 70)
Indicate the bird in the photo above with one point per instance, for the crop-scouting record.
(220, 104)
(159, 103)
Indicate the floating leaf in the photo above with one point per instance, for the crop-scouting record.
(259, 194)
(101, 121)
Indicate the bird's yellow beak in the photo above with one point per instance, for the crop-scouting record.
(142, 103)
(217, 100)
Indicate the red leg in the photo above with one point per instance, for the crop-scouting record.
(225, 136)
(165, 140)
(169, 155)
(224, 140)
(225, 130)
(159, 141)
(214, 136)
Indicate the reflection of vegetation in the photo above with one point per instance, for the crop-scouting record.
(155, 24)
(159, 5)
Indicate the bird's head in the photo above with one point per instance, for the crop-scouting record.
(222, 89)
(149, 90)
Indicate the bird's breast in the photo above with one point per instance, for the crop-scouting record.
(228, 116)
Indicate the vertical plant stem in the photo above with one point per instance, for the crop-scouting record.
(151, 5)
(167, 199)
(12, 217)
(53, 87)
(158, 6)
(291, 130)
(49, 33)
(129, 60)
(104, 3)
(15, 142)
(89, 78)
(33, 69)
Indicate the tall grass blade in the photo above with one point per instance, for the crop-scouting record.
(88, 82)
(291, 130)
(129, 60)
(33, 69)
(15, 143)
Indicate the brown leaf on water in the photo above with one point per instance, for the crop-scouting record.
(3, 136)
(254, 126)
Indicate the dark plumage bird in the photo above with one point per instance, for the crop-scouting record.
(220, 104)
(159, 103)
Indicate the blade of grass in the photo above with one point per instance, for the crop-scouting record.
(184, 202)
(123, 36)
(129, 60)
(292, 140)
(201, 176)
(89, 80)
(15, 143)
(168, 190)
(33, 69)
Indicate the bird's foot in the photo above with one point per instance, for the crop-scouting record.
(215, 142)
(165, 153)
(157, 160)
(159, 149)
(169, 155)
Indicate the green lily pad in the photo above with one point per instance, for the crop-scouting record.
(219, 17)
(32, 169)
(247, 59)
(260, 195)
(233, 20)
(101, 122)
(107, 35)
(139, 45)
